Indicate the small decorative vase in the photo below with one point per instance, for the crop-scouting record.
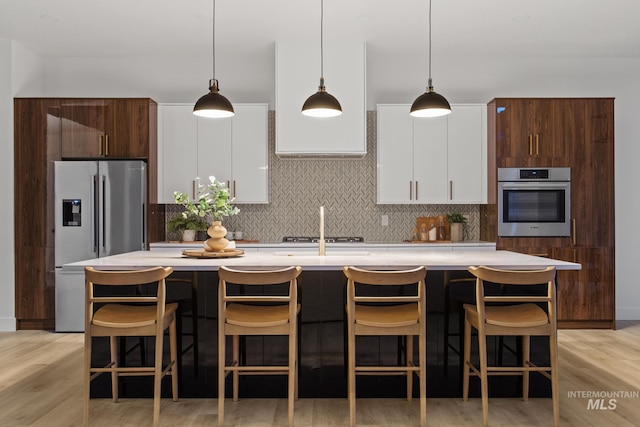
(217, 241)
(188, 235)
(457, 232)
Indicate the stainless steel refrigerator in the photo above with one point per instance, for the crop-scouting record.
(100, 210)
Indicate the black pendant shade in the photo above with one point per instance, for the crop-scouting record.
(321, 104)
(213, 105)
(430, 104)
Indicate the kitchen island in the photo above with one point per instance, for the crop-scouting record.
(333, 260)
(322, 348)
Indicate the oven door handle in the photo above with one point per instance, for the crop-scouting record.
(535, 186)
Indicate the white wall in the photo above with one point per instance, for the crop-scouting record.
(27, 72)
(7, 293)
(184, 79)
(399, 80)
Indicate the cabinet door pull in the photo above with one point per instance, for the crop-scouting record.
(193, 189)
(573, 232)
(531, 145)
(106, 145)
(234, 188)
(416, 191)
(101, 145)
(450, 190)
(537, 145)
(410, 190)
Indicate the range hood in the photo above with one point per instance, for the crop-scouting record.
(297, 68)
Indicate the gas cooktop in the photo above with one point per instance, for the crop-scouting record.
(298, 239)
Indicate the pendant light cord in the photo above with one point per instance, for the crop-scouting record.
(430, 85)
(213, 32)
(322, 40)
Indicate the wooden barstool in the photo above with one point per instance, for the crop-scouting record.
(130, 315)
(517, 316)
(246, 313)
(402, 315)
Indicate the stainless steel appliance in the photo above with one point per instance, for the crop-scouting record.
(534, 202)
(100, 209)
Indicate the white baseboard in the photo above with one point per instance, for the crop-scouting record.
(7, 324)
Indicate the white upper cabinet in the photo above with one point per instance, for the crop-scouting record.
(395, 155)
(438, 160)
(430, 159)
(249, 152)
(234, 150)
(214, 143)
(177, 150)
(467, 154)
(298, 77)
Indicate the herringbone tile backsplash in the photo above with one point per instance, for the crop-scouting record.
(347, 190)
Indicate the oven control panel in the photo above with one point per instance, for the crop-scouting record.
(560, 174)
(534, 173)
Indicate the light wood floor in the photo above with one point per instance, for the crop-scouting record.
(40, 385)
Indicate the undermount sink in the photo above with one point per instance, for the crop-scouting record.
(328, 253)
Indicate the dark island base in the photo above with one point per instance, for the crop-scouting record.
(322, 353)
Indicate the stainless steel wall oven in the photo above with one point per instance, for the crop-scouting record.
(534, 202)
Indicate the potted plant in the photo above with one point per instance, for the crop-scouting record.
(187, 226)
(456, 223)
(212, 201)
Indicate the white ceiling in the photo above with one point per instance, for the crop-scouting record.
(586, 28)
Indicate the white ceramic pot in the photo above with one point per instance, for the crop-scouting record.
(189, 235)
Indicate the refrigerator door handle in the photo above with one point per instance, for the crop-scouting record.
(103, 223)
(94, 196)
(144, 226)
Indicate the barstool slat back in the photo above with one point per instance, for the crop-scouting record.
(252, 313)
(512, 313)
(403, 314)
(129, 315)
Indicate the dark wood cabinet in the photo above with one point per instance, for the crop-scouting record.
(111, 128)
(82, 128)
(44, 129)
(586, 298)
(555, 132)
(36, 130)
(592, 179)
(530, 130)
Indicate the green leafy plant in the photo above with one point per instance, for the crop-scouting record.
(212, 200)
(191, 222)
(456, 218)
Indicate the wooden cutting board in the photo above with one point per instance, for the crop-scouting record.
(426, 220)
(201, 253)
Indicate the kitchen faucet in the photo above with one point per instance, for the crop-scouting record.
(321, 242)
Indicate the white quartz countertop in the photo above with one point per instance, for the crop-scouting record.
(348, 246)
(334, 260)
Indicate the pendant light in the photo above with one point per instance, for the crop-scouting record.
(430, 103)
(213, 104)
(321, 103)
